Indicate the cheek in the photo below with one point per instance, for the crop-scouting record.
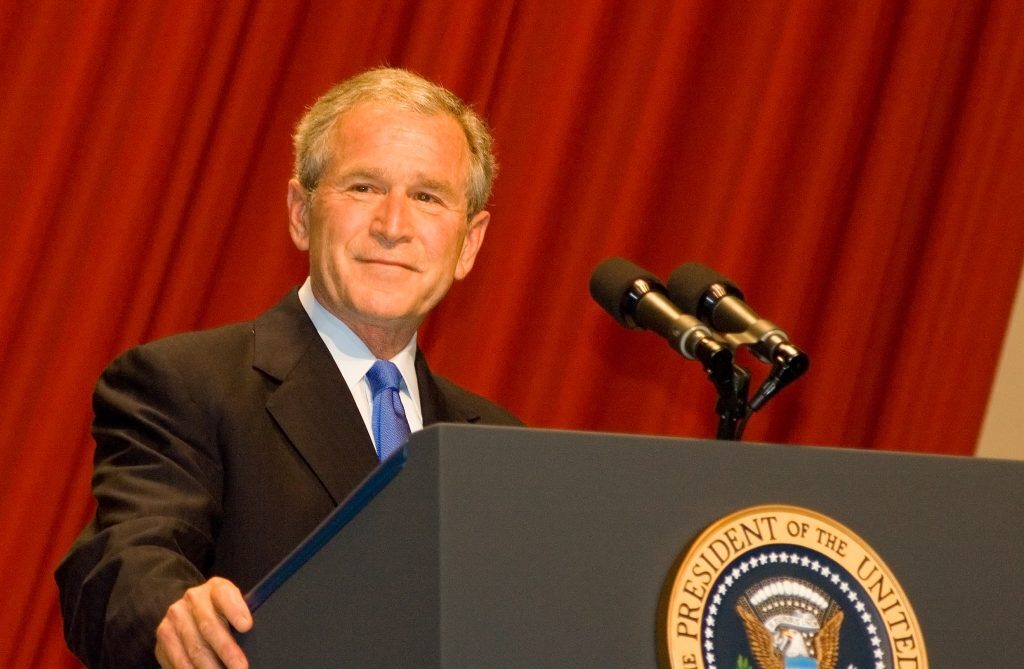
(328, 241)
(447, 242)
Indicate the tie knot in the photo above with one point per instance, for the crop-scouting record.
(384, 374)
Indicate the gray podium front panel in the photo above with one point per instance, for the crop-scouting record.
(508, 547)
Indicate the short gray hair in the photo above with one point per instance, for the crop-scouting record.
(405, 90)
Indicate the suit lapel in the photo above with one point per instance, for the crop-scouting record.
(436, 405)
(312, 405)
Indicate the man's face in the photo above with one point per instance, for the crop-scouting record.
(386, 228)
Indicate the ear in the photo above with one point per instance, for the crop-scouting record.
(471, 245)
(298, 214)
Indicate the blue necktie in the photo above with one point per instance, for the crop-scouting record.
(390, 427)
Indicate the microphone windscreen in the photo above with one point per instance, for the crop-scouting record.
(691, 281)
(612, 281)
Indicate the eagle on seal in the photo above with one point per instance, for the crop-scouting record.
(786, 648)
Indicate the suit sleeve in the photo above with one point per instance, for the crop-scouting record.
(157, 481)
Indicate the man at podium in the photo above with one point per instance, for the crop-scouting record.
(217, 452)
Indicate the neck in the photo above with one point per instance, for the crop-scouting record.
(383, 341)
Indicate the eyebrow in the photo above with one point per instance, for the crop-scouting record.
(442, 187)
(364, 173)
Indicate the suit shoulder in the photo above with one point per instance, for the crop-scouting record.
(203, 354)
(224, 336)
(489, 412)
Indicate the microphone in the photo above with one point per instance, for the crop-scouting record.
(717, 301)
(638, 300)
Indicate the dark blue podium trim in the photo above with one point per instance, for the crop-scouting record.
(331, 525)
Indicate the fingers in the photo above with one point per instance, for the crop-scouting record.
(194, 634)
(229, 603)
(178, 642)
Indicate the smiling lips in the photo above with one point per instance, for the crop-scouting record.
(387, 262)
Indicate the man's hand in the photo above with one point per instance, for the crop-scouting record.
(194, 634)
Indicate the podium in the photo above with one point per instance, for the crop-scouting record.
(513, 547)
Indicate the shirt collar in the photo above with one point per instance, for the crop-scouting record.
(351, 354)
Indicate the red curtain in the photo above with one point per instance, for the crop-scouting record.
(854, 166)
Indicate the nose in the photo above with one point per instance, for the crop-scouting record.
(392, 222)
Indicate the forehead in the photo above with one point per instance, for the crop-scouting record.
(390, 132)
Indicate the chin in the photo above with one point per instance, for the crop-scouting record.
(380, 313)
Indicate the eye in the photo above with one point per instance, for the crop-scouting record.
(361, 188)
(429, 198)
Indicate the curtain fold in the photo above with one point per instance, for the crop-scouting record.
(855, 167)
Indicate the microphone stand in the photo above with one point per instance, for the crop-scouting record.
(732, 408)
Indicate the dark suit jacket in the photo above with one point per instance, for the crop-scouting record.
(217, 452)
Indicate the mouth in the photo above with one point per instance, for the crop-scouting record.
(387, 262)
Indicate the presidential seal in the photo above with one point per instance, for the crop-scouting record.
(782, 587)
